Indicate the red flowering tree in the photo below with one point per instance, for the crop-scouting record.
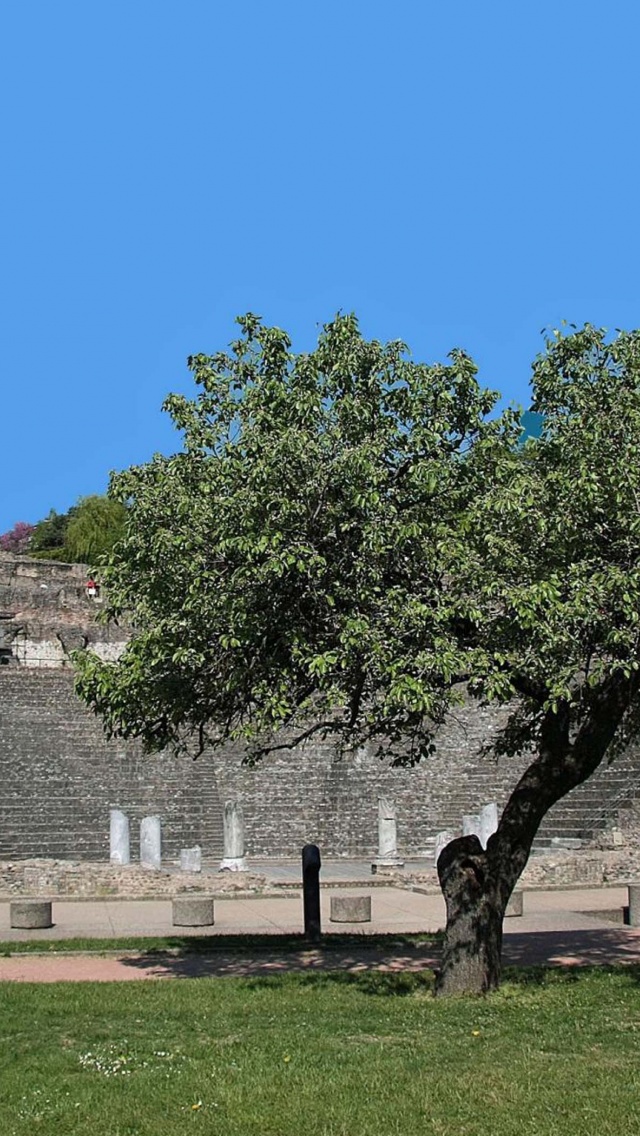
(17, 539)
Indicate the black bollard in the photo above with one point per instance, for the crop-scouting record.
(311, 892)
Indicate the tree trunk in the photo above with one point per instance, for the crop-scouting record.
(471, 962)
(477, 883)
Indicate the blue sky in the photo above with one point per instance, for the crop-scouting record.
(458, 174)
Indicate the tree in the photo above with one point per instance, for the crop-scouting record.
(288, 563)
(86, 533)
(49, 534)
(17, 539)
(97, 523)
(551, 565)
(348, 541)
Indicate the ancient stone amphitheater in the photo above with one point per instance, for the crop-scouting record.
(60, 776)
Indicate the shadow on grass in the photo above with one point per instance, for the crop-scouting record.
(345, 960)
(384, 984)
(239, 944)
(397, 964)
(378, 983)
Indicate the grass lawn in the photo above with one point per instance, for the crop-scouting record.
(322, 1055)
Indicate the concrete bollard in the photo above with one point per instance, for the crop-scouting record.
(151, 842)
(119, 841)
(634, 905)
(515, 905)
(30, 914)
(350, 909)
(192, 911)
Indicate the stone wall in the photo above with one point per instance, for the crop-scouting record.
(45, 612)
(59, 776)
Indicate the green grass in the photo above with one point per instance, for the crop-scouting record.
(552, 1054)
(209, 944)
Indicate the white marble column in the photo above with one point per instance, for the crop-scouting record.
(471, 825)
(387, 835)
(151, 842)
(233, 859)
(119, 843)
(488, 822)
(442, 839)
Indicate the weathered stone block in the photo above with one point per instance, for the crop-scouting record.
(191, 859)
(192, 911)
(350, 909)
(634, 905)
(30, 914)
(515, 905)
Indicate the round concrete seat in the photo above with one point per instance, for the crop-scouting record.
(30, 914)
(350, 909)
(192, 911)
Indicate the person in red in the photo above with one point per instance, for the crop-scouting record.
(92, 587)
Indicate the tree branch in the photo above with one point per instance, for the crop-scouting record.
(326, 726)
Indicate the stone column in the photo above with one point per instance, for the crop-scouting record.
(387, 835)
(488, 822)
(233, 859)
(471, 825)
(442, 839)
(119, 844)
(151, 842)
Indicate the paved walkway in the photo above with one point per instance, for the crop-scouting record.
(557, 928)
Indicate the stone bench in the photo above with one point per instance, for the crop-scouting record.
(30, 914)
(350, 909)
(192, 911)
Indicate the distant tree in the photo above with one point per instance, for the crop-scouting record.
(17, 539)
(94, 528)
(48, 539)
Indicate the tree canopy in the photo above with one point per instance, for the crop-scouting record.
(84, 534)
(17, 539)
(290, 562)
(350, 540)
(95, 526)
